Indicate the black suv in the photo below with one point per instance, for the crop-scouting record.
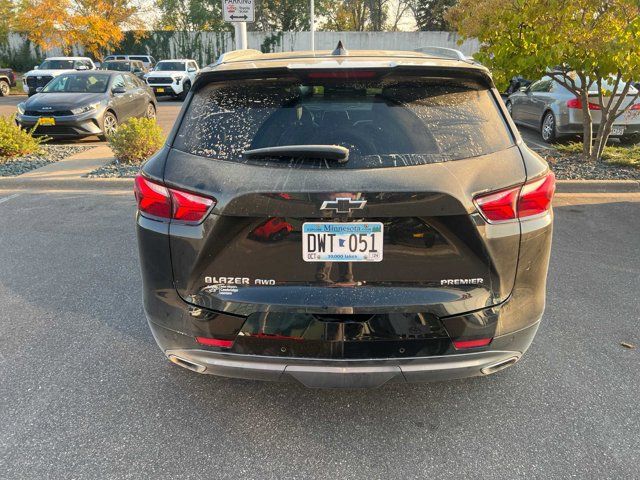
(7, 80)
(344, 219)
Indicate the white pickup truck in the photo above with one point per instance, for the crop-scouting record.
(173, 77)
(51, 68)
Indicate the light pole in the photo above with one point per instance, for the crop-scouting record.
(312, 22)
(241, 35)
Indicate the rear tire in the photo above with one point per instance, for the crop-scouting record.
(509, 107)
(151, 111)
(548, 129)
(109, 125)
(5, 88)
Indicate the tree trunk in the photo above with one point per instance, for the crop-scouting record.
(587, 124)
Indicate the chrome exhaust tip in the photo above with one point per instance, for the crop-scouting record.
(188, 364)
(501, 365)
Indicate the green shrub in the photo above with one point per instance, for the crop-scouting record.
(136, 140)
(14, 141)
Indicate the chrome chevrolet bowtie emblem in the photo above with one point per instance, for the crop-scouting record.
(343, 205)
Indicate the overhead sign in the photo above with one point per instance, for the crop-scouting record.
(238, 10)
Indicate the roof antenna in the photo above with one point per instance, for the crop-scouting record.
(340, 50)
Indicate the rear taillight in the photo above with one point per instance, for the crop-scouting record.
(532, 198)
(635, 106)
(214, 342)
(577, 103)
(475, 343)
(159, 201)
(536, 196)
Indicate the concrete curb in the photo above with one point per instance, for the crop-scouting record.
(597, 186)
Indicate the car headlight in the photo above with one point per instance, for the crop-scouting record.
(21, 108)
(85, 109)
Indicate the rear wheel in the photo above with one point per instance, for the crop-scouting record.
(4, 88)
(548, 130)
(151, 111)
(109, 125)
(509, 108)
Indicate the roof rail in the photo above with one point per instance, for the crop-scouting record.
(443, 52)
(236, 55)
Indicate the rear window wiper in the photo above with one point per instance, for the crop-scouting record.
(319, 152)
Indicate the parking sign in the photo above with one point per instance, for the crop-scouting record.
(238, 10)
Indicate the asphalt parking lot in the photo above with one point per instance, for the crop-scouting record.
(87, 394)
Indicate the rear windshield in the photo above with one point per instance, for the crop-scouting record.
(386, 123)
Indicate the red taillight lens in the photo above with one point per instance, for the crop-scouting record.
(533, 198)
(343, 74)
(478, 342)
(214, 342)
(153, 198)
(635, 106)
(189, 207)
(577, 103)
(157, 200)
(499, 206)
(536, 196)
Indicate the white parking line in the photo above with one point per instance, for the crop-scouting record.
(6, 199)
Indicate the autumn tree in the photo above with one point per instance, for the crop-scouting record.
(191, 15)
(7, 18)
(348, 16)
(591, 47)
(97, 25)
(430, 14)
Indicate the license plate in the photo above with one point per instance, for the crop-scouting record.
(342, 242)
(47, 121)
(160, 90)
(617, 130)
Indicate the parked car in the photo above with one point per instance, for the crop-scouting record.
(51, 68)
(344, 220)
(173, 77)
(82, 104)
(7, 80)
(555, 112)
(147, 60)
(133, 66)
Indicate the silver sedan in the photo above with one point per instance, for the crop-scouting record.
(555, 112)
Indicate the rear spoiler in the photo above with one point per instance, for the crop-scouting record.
(472, 72)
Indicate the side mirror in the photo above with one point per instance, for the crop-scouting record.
(36, 67)
(191, 69)
(118, 90)
(39, 89)
(523, 89)
(82, 67)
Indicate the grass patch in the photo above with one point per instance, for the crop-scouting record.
(624, 156)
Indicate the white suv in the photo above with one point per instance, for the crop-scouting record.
(173, 77)
(51, 68)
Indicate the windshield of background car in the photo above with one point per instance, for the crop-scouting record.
(74, 83)
(387, 123)
(118, 66)
(57, 65)
(170, 66)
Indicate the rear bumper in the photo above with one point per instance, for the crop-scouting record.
(331, 373)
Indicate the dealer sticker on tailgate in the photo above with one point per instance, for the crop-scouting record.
(342, 242)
